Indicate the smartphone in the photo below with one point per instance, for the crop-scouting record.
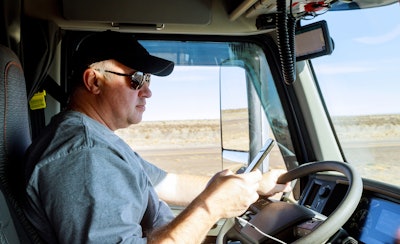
(259, 158)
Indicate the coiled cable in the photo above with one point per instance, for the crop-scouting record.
(285, 29)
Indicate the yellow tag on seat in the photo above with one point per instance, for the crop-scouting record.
(38, 101)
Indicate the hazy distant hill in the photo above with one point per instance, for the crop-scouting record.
(167, 133)
(368, 127)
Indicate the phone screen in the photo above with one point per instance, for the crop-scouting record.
(259, 158)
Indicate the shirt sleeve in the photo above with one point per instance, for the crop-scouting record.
(155, 174)
(97, 197)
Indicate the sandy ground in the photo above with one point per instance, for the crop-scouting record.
(372, 143)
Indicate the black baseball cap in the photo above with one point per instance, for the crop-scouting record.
(122, 47)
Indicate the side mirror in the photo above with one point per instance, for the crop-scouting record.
(313, 41)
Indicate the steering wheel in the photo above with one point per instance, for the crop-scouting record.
(275, 216)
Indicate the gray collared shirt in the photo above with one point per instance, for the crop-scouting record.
(86, 185)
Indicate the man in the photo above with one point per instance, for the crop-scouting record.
(85, 185)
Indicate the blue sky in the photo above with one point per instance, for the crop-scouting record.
(188, 95)
(360, 77)
(184, 94)
(363, 70)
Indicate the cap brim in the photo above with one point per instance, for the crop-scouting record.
(153, 65)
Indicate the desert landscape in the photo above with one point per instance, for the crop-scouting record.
(372, 143)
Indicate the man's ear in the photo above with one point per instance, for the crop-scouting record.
(91, 82)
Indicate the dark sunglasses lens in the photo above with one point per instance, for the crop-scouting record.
(135, 84)
(138, 80)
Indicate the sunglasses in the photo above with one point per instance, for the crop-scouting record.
(137, 79)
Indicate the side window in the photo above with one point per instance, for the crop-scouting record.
(360, 85)
(206, 115)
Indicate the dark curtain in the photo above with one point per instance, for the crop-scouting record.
(39, 41)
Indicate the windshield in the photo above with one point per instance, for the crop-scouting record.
(360, 84)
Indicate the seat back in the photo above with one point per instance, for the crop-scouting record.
(15, 138)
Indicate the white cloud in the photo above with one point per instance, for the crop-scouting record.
(358, 66)
(341, 69)
(373, 40)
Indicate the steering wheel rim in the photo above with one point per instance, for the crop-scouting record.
(338, 217)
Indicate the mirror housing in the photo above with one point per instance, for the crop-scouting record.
(313, 41)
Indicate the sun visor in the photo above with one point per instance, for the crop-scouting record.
(137, 12)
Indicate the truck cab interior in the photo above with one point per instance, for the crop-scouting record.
(245, 71)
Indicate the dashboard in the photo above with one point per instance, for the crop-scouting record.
(377, 216)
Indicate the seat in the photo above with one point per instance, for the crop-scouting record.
(15, 138)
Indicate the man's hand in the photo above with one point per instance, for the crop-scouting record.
(229, 195)
(180, 189)
(268, 185)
